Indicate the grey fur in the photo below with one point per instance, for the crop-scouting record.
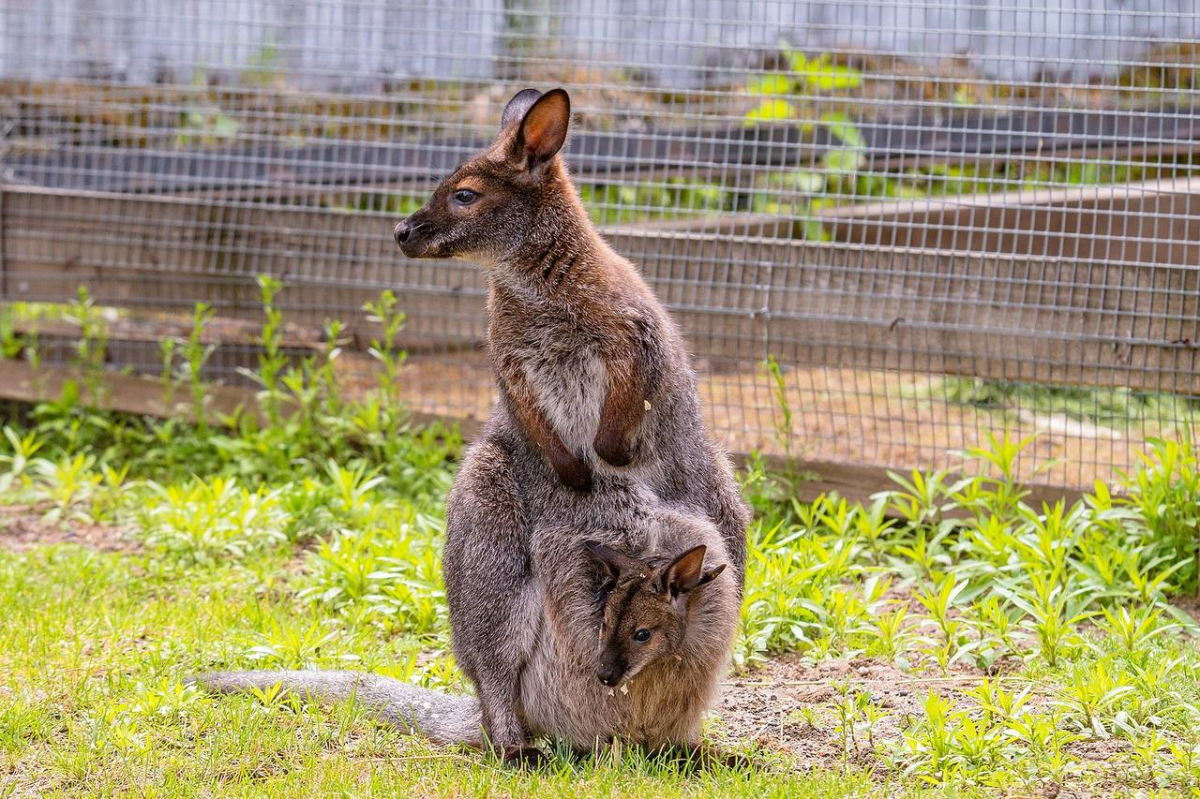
(558, 692)
(441, 717)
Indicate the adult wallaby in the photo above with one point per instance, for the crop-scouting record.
(596, 392)
(626, 644)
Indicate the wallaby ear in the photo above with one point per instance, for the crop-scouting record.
(610, 560)
(518, 106)
(686, 571)
(543, 129)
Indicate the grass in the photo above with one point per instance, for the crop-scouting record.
(1036, 646)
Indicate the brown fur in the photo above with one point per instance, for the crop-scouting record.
(597, 436)
(528, 222)
(598, 417)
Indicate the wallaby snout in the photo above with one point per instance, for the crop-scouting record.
(403, 229)
(412, 234)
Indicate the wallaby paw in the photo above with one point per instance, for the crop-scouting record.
(525, 758)
(574, 473)
(613, 450)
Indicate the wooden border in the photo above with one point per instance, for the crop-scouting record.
(739, 290)
(142, 396)
(715, 150)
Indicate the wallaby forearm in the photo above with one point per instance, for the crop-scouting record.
(622, 413)
(437, 716)
(635, 369)
(572, 470)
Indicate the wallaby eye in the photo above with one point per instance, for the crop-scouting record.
(641, 636)
(465, 196)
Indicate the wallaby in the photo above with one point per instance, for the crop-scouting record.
(626, 644)
(596, 392)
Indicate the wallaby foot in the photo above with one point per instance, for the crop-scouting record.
(524, 758)
(699, 758)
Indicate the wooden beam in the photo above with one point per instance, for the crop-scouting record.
(166, 252)
(858, 482)
(140, 396)
(740, 289)
(1154, 222)
(1031, 318)
(720, 144)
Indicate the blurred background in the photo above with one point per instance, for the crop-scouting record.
(887, 227)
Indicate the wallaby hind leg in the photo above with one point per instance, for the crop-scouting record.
(489, 589)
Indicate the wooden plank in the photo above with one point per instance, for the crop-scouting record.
(858, 483)
(981, 133)
(1149, 222)
(142, 396)
(738, 294)
(998, 316)
(162, 253)
(116, 392)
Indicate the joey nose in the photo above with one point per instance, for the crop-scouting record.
(608, 677)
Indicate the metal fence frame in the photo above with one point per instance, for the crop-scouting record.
(934, 243)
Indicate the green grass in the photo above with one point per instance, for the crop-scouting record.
(1060, 621)
(1043, 646)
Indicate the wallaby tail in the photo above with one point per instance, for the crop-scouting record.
(437, 716)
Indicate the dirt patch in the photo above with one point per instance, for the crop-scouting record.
(23, 527)
(840, 415)
(767, 706)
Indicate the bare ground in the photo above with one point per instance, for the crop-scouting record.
(763, 707)
(24, 526)
(840, 415)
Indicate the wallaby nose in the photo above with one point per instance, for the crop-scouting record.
(404, 228)
(608, 677)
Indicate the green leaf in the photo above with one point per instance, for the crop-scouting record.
(844, 129)
(225, 126)
(771, 111)
(823, 75)
(844, 160)
(813, 230)
(807, 182)
(797, 61)
(769, 85)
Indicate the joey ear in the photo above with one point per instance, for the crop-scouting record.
(543, 129)
(518, 106)
(711, 575)
(610, 560)
(686, 572)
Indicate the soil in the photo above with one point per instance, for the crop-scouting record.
(764, 706)
(24, 527)
(867, 417)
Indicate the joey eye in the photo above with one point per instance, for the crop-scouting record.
(641, 636)
(465, 196)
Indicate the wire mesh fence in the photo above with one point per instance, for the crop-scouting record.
(939, 218)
